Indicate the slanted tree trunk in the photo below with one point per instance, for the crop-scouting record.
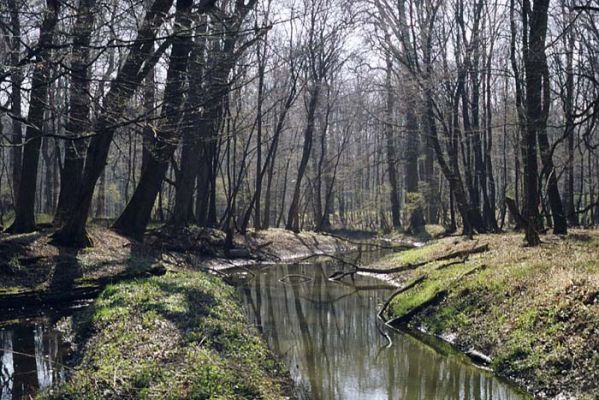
(25, 210)
(79, 108)
(293, 215)
(122, 88)
(270, 156)
(134, 219)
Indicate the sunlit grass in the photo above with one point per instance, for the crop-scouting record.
(178, 336)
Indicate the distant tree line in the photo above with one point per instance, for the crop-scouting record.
(303, 114)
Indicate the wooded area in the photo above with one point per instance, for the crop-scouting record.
(307, 114)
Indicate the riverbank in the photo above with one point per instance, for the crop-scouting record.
(164, 323)
(531, 311)
(36, 273)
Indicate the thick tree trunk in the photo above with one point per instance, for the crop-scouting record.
(535, 123)
(16, 79)
(134, 219)
(195, 132)
(414, 200)
(79, 108)
(40, 81)
(390, 143)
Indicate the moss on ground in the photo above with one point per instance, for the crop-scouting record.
(179, 336)
(533, 310)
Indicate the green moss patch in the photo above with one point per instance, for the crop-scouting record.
(179, 336)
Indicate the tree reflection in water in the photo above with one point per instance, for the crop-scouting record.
(327, 334)
(31, 357)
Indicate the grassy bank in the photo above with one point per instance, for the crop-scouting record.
(178, 336)
(534, 311)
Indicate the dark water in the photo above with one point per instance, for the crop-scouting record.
(31, 355)
(329, 337)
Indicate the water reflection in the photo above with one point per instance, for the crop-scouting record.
(31, 357)
(327, 333)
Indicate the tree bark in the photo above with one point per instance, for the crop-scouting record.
(534, 64)
(79, 108)
(16, 79)
(134, 219)
(25, 210)
(293, 215)
(414, 199)
(570, 131)
(122, 88)
(390, 142)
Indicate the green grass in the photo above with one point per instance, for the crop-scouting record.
(179, 336)
(533, 310)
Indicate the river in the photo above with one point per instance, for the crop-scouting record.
(328, 335)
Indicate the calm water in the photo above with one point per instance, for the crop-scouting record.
(329, 337)
(31, 355)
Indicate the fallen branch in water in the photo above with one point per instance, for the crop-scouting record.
(463, 254)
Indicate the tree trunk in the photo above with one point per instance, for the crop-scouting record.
(195, 132)
(534, 64)
(414, 199)
(261, 60)
(570, 131)
(25, 210)
(122, 88)
(134, 219)
(390, 143)
(79, 108)
(293, 215)
(16, 79)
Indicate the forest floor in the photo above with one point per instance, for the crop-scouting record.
(532, 313)
(163, 324)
